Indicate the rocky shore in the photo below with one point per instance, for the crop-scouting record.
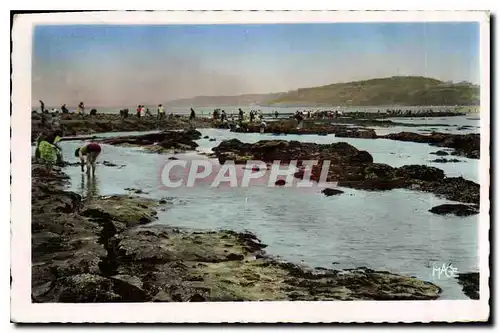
(467, 145)
(162, 142)
(72, 124)
(351, 167)
(108, 249)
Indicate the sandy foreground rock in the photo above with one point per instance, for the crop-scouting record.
(108, 250)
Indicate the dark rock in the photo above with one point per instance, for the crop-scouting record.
(379, 171)
(454, 188)
(330, 191)
(420, 172)
(349, 167)
(456, 209)
(166, 140)
(110, 164)
(212, 139)
(444, 160)
(440, 153)
(234, 256)
(82, 288)
(355, 133)
(136, 190)
(470, 284)
(197, 298)
(280, 182)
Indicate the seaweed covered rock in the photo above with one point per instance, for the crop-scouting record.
(420, 172)
(455, 209)
(331, 191)
(454, 188)
(355, 133)
(163, 140)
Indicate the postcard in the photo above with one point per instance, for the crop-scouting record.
(250, 167)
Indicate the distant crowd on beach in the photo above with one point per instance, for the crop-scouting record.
(240, 118)
(53, 117)
(79, 110)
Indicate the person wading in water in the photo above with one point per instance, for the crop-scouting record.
(88, 154)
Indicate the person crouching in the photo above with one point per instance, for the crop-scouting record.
(88, 155)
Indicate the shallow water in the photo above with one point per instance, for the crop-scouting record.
(472, 121)
(390, 230)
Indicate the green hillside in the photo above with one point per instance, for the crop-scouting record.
(400, 90)
(397, 90)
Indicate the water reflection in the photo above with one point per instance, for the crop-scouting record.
(89, 186)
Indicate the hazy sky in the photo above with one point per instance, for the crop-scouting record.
(127, 65)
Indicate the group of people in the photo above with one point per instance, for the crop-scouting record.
(142, 111)
(49, 152)
(80, 108)
(219, 114)
(319, 114)
(251, 116)
(400, 112)
(300, 119)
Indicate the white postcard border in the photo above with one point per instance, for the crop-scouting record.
(22, 310)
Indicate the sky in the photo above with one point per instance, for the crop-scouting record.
(110, 65)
